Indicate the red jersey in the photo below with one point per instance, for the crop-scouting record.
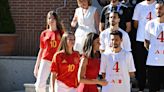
(92, 71)
(66, 67)
(49, 42)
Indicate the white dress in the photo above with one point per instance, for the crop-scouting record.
(86, 24)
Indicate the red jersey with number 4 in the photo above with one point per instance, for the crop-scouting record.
(66, 67)
(49, 41)
(92, 72)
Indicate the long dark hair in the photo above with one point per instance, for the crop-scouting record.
(59, 25)
(88, 45)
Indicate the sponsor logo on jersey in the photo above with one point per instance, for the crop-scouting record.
(159, 52)
(116, 81)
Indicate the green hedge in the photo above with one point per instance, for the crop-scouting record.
(6, 21)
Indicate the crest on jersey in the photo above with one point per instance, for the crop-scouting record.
(120, 11)
(76, 60)
(134, 2)
(58, 36)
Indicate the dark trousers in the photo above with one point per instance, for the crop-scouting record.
(140, 57)
(155, 77)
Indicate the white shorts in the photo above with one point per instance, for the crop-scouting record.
(61, 87)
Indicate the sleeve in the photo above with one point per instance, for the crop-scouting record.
(103, 63)
(130, 60)
(76, 11)
(42, 43)
(126, 42)
(93, 9)
(147, 33)
(102, 16)
(54, 65)
(136, 13)
(102, 43)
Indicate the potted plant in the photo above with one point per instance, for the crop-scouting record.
(7, 30)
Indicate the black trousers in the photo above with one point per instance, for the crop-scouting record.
(140, 56)
(155, 77)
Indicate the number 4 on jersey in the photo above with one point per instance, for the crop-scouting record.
(149, 16)
(161, 37)
(116, 67)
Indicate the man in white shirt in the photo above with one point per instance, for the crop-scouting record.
(143, 12)
(117, 66)
(154, 42)
(105, 35)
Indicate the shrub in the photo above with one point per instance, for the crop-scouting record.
(6, 22)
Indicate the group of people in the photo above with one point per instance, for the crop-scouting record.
(101, 45)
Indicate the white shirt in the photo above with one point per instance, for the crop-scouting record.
(143, 12)
(155, 34)
(117, 67)
(105, 40)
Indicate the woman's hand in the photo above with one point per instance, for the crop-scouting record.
(103, 82)
(36, 71)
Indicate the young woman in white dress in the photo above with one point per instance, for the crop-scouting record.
(87, 18)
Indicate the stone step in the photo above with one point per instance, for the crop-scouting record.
(18, 91)
(31, 88)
